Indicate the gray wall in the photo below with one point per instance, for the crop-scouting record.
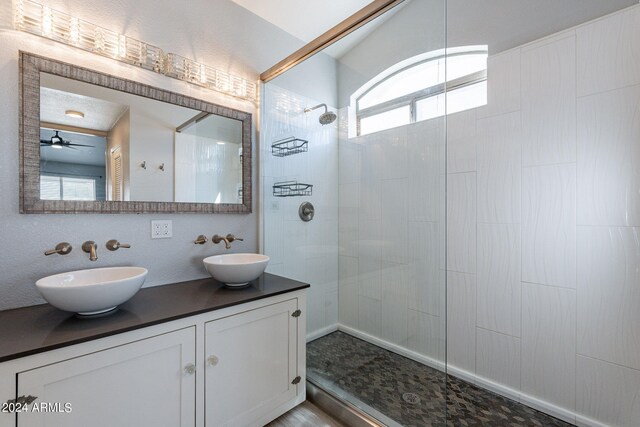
(216, 32)
(315, 78)
(417, 27)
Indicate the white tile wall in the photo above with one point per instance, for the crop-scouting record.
(349, 161)
(394, 327)
(348, 291)
(461, 321)
(607, 393)
(498, 358)
(331, 307)
(370, 276)
(549, 225)
(370, 200)
(499, 168)
(394, 161)
(395, 227)
(558, 203)
(370, 315)
(549, 343)
(461, 142)
(549, 101)
(609, 158)
(608, 53)
(425, 284)
(499, 286)
(392, 272)
(425, 150)
(426, 335)
(461, 222)
(304, 251)
(426, 190)
(609, 294)
(348, 211)
(503, 84)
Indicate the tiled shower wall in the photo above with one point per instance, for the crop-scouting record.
(391, 262)
(543, 240)
(304, 251)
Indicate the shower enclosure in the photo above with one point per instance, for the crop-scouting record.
(458, 185)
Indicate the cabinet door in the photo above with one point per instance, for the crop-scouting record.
(143, 383)
(251, 364)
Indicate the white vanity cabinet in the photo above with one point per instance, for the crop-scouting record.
(143, 383)
(252, 365)
(235, 366)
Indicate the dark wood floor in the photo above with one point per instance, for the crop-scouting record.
(305, 415)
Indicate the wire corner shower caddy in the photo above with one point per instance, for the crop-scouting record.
(289, 146)
(292, 189)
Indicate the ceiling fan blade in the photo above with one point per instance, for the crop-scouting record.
(67, 144)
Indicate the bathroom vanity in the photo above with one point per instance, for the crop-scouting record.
(191, 353)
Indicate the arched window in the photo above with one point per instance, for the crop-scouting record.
(414, 89)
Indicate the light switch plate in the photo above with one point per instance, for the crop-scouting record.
(161, 229)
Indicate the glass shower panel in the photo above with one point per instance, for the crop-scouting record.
(544, 209)
(374, 252)
(476, 228)
(392, 209)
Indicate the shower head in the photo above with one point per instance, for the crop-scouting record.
(326, 117)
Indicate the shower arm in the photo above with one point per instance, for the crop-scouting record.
(306, 110)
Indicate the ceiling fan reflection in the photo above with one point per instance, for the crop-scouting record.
(56, 141)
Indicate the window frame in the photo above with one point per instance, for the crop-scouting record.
(411, 99)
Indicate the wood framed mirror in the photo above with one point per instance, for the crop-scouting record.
(95, 143)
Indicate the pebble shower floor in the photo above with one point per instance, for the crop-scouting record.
(410, 393)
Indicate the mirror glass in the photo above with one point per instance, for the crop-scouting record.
(101, 144)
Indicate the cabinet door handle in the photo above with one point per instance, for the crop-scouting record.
(190, 368)
(212, 360)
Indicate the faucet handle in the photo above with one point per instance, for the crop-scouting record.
(114, 245)
(231, 238)
(201, 240)
(62, 248)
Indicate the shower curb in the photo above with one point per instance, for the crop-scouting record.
(337, 408)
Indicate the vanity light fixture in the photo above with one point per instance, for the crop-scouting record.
(35, 18)
(73, 113)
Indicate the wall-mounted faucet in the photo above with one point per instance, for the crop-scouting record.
(227, 240)
(62, 248)
(91, 248)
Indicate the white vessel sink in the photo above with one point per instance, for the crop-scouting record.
(94, 291)
(236, 269)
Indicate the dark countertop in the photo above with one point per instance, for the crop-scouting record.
(30, 330)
